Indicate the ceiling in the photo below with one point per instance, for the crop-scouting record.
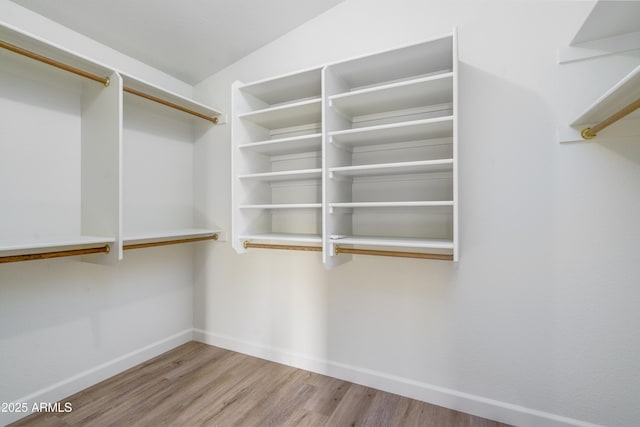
(188, 39)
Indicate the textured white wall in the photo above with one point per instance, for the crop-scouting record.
(541, 311)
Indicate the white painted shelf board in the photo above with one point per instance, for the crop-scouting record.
(167, 95)
(422, 166)
(283, 237)
(53, 242)
(293, 175)
(166, 235)
(398, 63)
(285, 116)
(408, 204)
(440, 127)
(50, 50)
(284, 146)
(285, 88)
(405, 242)
(283, 206)
(414, 93)
(622, 94)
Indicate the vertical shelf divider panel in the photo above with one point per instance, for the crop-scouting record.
(101, 166)
(334, 222)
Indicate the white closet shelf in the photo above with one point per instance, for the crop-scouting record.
(384, 66)
(49, 243)
(50, 50)
(130, 238)
(286, 88)
(404, 242)
(283, 206)
(419, 92)
(293, 175)
(409, 204)
(285, 146)
(173, 98)
(286, 116)
(422, 166)
(283, 237)
(607, 110)
(439, 127)
(619, 96)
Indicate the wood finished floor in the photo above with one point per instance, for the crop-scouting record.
(200, 385)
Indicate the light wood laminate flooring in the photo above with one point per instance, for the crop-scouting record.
(200, 385)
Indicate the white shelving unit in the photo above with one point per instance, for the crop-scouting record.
(390, 151)
(66, 171)
(378, 132)
(277, 162)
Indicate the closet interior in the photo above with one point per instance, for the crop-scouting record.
(107, 150)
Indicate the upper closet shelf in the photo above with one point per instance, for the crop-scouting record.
(56, 56)
(52, 54)
(286, 88)
(383, 66)
(620, 102)
(170, 99)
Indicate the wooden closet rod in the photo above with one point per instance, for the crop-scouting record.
(132, 91)
(104, 80)
(589, 133)
(248, 245)
(420, 255)
(169, 242)
(46, 255)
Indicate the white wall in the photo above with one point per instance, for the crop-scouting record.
(65, 324)
(537, 323)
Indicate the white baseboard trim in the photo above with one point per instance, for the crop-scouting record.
(480, 406)
(65, 388)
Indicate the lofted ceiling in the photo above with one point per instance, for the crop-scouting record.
(188, 39)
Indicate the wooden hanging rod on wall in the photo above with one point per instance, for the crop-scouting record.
(420, 255)
(58, 254)
(589, 133)
(168, 242)
(248, 245)
(132, 91)
(104, 80)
